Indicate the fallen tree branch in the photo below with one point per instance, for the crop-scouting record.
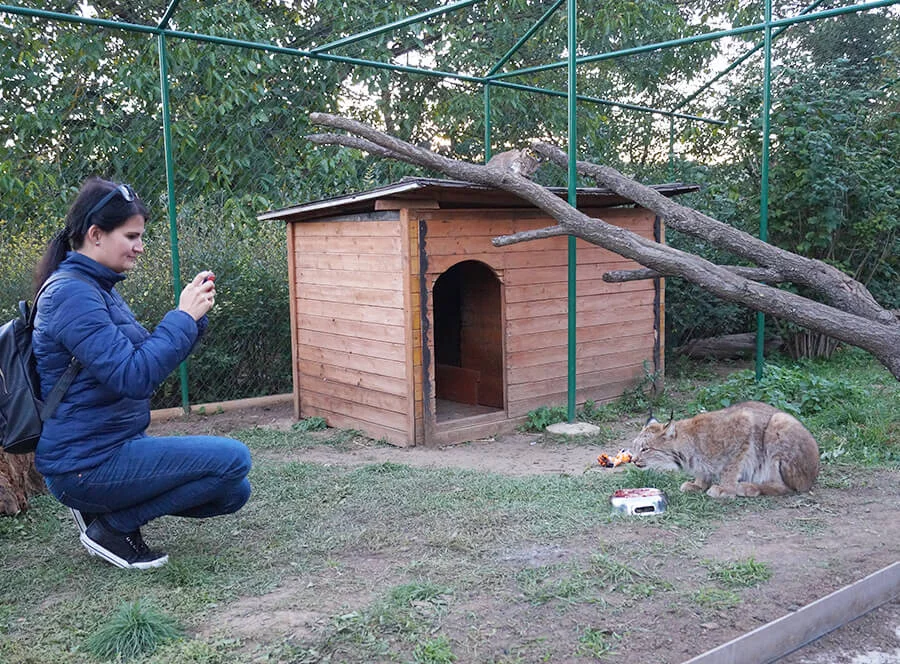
(752, 273)
(836, 287)
(728, 345)
(872, 332)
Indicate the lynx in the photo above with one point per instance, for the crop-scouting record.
(747, 449)
(521, 162)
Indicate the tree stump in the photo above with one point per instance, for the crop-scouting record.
(727, 346)
(19, 481)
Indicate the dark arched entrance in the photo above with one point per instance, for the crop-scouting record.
(468, 341)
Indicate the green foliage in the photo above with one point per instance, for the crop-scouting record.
(597, 643)
(542, 417)
(310, 424)
(832, 164)
(136, 629)
(639, 398)
(22, 250)
(739, 574)
(796, 390)
(863, 429)
(246, 350)
(81, 100)
(693, 313)
(716, 599)
(643, 395)
(434, 651)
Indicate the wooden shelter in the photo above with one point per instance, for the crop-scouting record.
(409, 325)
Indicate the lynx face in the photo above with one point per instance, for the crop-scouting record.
(654, 447)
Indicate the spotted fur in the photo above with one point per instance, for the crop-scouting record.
(748, 449)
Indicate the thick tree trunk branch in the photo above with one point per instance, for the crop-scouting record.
(866, 330)
(752, 273)
(834, 286)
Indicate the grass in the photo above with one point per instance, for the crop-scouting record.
(434, 651)
(597, 643)
(739, 574)
(136, 629)
(715, 599)
(391, 563)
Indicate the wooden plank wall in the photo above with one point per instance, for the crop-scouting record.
(351, 325)
(615, 322)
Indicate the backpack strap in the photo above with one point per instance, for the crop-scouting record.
(65, 381)
(59, 390)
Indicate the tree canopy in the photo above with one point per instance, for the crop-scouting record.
(80, 99)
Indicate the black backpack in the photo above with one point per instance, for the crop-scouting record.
(22, 413)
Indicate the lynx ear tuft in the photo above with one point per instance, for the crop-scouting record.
(650, 418)
(670, 429)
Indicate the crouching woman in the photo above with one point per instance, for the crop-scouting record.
(94, 452)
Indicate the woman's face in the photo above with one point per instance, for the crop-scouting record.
(118, 249)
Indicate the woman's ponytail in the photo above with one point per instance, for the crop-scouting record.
(54, 254)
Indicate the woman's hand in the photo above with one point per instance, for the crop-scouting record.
(199, 296)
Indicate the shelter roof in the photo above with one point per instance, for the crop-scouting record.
(449, 194)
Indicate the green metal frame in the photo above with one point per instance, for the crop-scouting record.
(493, 78)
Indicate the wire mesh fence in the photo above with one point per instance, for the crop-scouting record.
(81, 101)
(212, 132)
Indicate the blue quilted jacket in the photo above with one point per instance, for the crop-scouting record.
(109, 402)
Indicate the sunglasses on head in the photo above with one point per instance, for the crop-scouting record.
(126, 191)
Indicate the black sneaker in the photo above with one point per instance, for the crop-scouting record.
(82, 519)
(125, 551)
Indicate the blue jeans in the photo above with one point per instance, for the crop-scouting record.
(149, 477)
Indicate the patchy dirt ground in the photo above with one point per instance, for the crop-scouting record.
(853, 531)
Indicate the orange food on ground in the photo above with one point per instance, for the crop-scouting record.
(624, 456)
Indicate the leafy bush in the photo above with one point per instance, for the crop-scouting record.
(21, 252)
(246, 351)
(796, 390)
(540, 418)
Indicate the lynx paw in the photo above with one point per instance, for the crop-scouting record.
(718, 491)
(693, 485)
(748, 490)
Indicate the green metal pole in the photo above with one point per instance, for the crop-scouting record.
(167, 16)
(275, 48)
(528, 34)
(170, 195)
(708, 36)
(573, 201)
(734, 65)
(605, 102)
(487, 122)
(671, 149)
(410, 20)
(764, 183)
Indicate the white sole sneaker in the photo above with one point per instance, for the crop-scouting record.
(82, 525)
(79, 520)
(96, 550)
